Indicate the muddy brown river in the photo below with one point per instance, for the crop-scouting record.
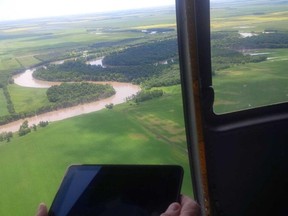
(123, 90)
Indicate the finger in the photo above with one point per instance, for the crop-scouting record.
(189, 207)
(42, 210)
(172, 210)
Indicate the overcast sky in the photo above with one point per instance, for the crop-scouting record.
(21, 9)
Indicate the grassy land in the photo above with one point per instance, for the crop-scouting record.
(27, 99)
(32, 166)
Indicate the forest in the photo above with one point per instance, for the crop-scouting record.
(150, 53)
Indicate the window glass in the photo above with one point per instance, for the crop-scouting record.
(52, 58)
(249, 53)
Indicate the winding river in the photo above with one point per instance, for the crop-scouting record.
(123, 90)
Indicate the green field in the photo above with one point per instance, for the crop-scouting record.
(27, 99)
(32, 166)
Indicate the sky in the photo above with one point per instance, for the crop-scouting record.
(23, 9)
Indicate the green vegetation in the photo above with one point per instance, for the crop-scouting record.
(109, 106)
(169, 76)
(146, 95)
(77, 93)
(27, 99)
(32, 166)
(24, 129)
(80, 71)
(3, 104)
(149, 53)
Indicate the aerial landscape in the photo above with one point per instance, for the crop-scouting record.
(105, 88)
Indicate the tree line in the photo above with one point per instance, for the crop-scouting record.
(224, 58)
(145, 95)
(23, 130)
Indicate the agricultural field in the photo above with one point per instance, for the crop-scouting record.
(27, 99)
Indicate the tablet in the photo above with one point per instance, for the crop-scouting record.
(117, 190)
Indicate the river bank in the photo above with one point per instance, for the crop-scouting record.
(123, 90)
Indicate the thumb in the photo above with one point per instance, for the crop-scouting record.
(172, 210)
(42, 210)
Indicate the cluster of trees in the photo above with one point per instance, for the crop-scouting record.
(81, 72)
(169, 76)
(227, 47)
(43, 123)
(265, 40)
(145, 95)
(76, 93)
(6, 136)
(109, 106)
(224, 58)
(232, 40)
(25, 129)
(149, 53)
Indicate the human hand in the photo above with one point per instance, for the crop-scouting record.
(187, 207)
(42, 210)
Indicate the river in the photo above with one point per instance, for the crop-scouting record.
(123, 90)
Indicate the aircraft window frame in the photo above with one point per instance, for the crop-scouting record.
(195, 66)
(203, 31)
